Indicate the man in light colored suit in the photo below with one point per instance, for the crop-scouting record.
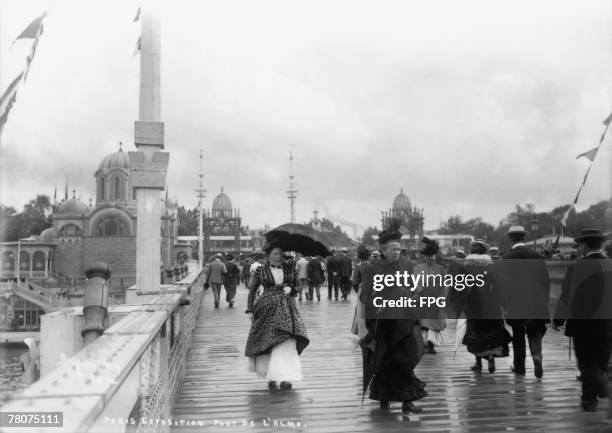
(217, 270)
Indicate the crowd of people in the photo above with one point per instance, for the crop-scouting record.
(515, 295)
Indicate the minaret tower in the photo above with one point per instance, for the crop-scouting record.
(201, 194)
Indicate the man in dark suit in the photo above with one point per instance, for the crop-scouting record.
(345, 272)
(333, 268)
(586, 303)
(231, 279)
(523, 281)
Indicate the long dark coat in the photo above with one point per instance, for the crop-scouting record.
(485, 334)
(393, 347)
(524, 285)
(275, 314)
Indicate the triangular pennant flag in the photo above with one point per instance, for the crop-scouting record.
(566, 215)
(137, 17)
(590, 154)
(33, 30)
(8, 99)
(137, 49)
(34, 45)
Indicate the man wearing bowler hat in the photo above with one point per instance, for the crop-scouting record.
(585, 307)
(523, 281)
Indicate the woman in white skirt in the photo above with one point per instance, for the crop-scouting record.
(278, 335)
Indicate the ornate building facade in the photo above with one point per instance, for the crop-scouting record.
(223, 231)
(411, 219)
(104, 231)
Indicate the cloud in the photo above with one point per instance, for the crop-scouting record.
(474, 109)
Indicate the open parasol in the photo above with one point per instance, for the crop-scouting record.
(299, 238)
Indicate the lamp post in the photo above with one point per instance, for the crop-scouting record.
(535, 225)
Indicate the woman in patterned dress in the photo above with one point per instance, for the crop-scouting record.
(278, 335)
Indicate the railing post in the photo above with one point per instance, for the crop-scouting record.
(95, 303)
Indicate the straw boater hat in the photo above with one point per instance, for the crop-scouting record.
(516, 230)
(480, 245)
(590, 234)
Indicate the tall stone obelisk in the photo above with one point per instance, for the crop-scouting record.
(149, 164)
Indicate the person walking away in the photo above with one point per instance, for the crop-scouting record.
(524, 284)
(584, 306)
(431, 286)
(333, 268)
(486, 336)
(301, 267)
(232, 277)
(316, 276)
(215, 278)
(345, 272)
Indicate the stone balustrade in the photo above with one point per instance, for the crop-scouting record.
(125, 379)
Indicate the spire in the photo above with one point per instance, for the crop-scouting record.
(201, 194)
(66, 189)
(291, 192)
(120, 146)
(74, 193)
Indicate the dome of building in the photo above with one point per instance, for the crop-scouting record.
(222, 203)
(401, 202)
(117, 159)
(74, 206)
(47, 235)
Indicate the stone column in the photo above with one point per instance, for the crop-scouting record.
(149, 164)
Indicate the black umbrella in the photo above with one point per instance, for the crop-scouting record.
(299, 238)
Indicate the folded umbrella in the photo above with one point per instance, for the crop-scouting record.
(460, 333)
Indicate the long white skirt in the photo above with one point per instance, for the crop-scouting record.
(281, 365)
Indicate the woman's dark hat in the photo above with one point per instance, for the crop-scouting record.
(590, 234)
(431, 247)
(363, 252)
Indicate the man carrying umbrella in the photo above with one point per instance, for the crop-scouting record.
(393, 346)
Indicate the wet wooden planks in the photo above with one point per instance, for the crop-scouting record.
(219, 394)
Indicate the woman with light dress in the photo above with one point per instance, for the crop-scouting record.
(277, 336)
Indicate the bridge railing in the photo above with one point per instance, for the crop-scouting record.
(127, 379)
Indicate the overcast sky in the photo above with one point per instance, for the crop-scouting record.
(470, 106)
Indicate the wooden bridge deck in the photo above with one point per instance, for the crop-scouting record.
(219, 393)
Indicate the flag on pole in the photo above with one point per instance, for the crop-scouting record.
(590, 154)
(8, 99)
(39, 30)
(137, 49)
(137, 17)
